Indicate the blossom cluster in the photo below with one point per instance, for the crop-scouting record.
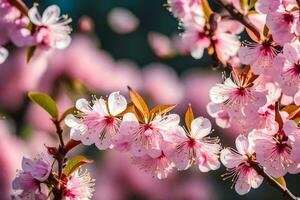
(154, 139)
(27, 28)
(261, 94)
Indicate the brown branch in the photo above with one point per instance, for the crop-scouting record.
(20, 6)
(284, 191)
(235, 14)
(298, 2)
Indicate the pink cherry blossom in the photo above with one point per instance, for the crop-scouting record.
(122, 20)
(237, 98)
(273, 151)
(161, 44)
(155, 163)
(51, 29)
(297, 98)
(282, 25)
(79, 186)
(287, 69)
(142, 137)
(239, 167)
(267, 6)
(33, 172)
(97, 123)
(259, 56)
(194, 146)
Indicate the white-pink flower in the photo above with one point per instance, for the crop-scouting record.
(267, 6)
(286, 68)
(239, 167)
(273, 150)
(79, 186)
(52, 30)
(155, 163)
(33, 172)
(282, 25)
(236, 97)
(97, 123)
(259, 56)
(142, 137)
(194, 146)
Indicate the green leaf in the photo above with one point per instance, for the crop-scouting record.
(45, 101)
(29, 53)
(75, 163)
(252, 3)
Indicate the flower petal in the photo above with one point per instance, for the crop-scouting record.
(83, 105)
(3, 54)
(35, 16)
(116, 103)
(200, 127)
(51, 15)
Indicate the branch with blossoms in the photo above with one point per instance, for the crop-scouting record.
(261, 95)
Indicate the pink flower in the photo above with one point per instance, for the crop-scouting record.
(79, 186)
(33, 172)
(3, 54)
(154, 163)
(239, 167)
(194, 146)
(287, 69)
(259, 56)
(282, 25)
(267, 6)
(236, 97)
(297, 98)
(122, 20)
(51, 29)
(273, 150)
(142, 137)
(161, 44)
(97, 123)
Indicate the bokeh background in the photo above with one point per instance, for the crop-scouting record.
(115, 43)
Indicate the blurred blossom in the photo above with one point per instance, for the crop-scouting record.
(162, 84)
(12, 150)
(86, 24)
(118, 179)
(122, 21)
(3, 54)
(18, 77)
(161, 44)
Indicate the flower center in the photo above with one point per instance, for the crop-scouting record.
(289, 18)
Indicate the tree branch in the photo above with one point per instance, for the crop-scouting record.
(239, 17)
(284, 191)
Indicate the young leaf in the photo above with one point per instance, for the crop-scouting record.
(75, 163)
(44, 101)
(139, 103)
(206, 9)
(162, 109)
(293, 111)
(29, 53)
(189, 117)
(281, 181)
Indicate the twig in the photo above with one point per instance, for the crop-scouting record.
(239, 17)
(284, 191)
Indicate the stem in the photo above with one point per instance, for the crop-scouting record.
(20, 6)
(60, 157)
(284, 191)
(239, 17)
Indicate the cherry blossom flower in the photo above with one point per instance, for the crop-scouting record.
(155, 163)
(239, 167)
(273, 150)
(161, 44)
(97, 123)
(259, 56)
(237, 96)
(194, 146)
(79, 186)
(143, 137)
(282, 25)
(33, 172)
(51, 29)
(267, 6)
(122, 20)
(3, 54)
(287, 69)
